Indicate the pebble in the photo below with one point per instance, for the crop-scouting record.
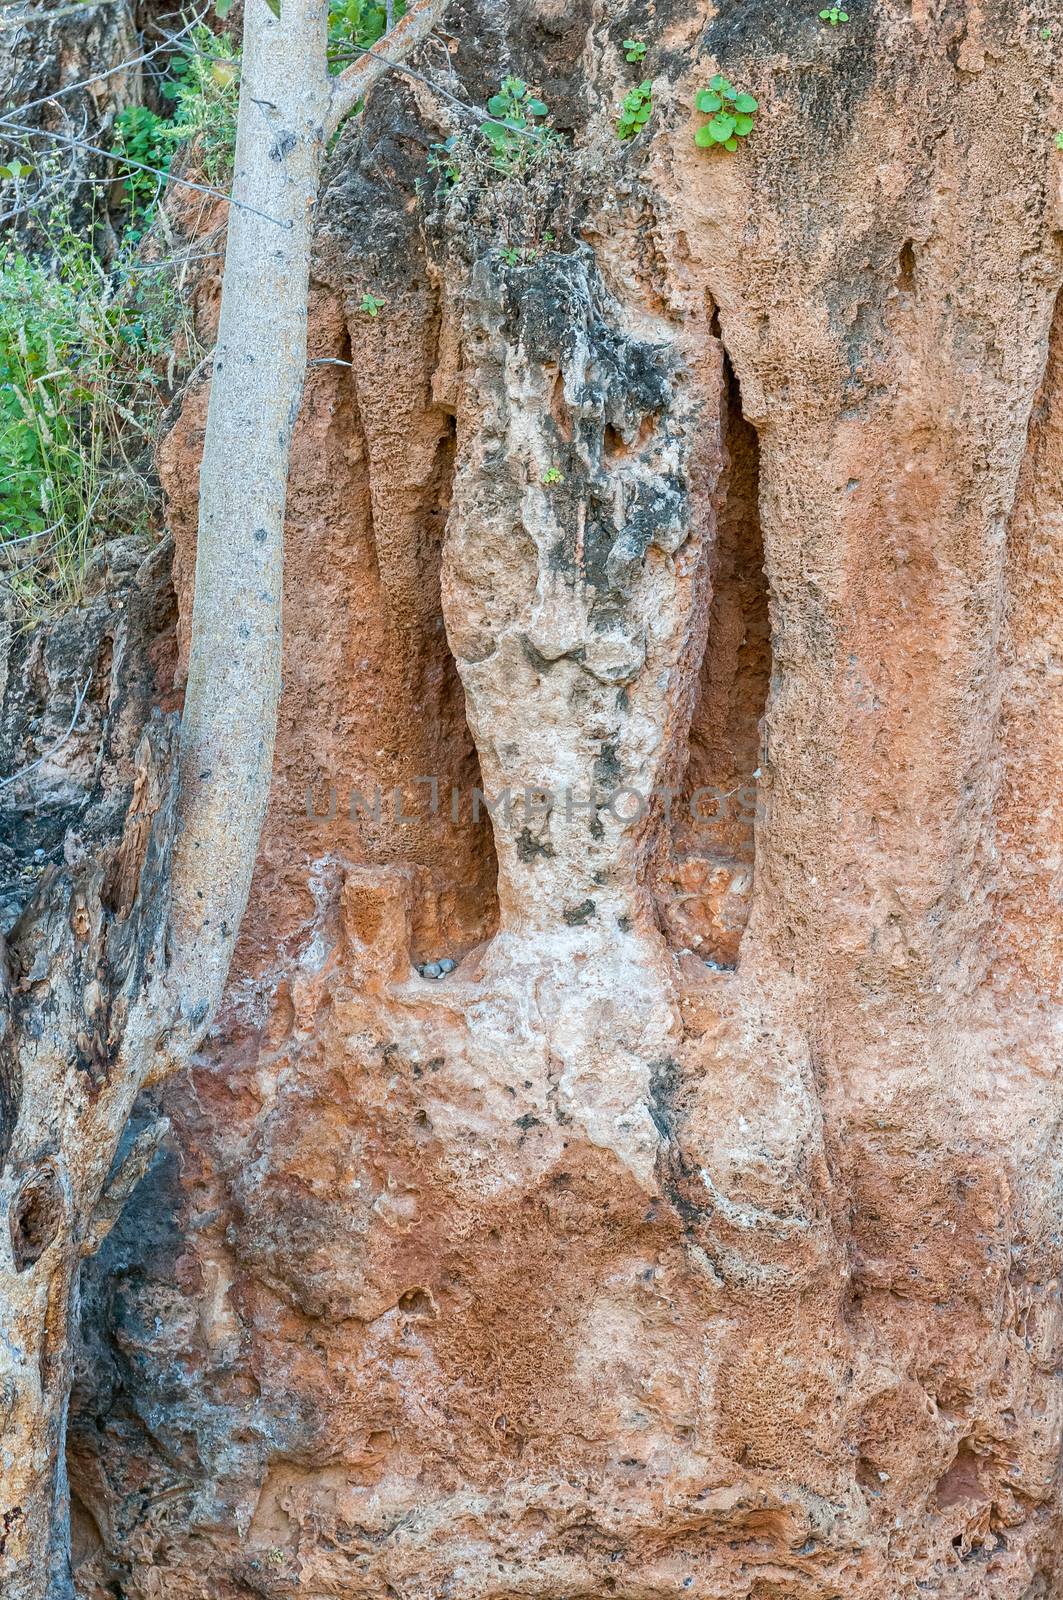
(437, 969)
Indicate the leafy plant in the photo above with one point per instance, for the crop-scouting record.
(83, 359)
(138, 135)
(357, 22)
(15, 169)
(443, 161)
(635, 50)
(833, 15)
(371, 304)
(514, 131)
(205, 88)
(1058, 141)
(518, 255)
(553, 475)
(635, 111)
(733, 115)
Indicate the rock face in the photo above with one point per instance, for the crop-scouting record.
(65, 74)
(699, 1232)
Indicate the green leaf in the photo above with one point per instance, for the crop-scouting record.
(274, 6)
(743, 126)
(498, 104)
(722, 128)
(495, 132)
(746, 104)
(707, 101)
(730, 144)
(537, 108)
(730, 94)
(719, 82)
(222, 9)
(643, 115)
(703, 138)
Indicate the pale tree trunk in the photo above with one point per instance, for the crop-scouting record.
(113, 973)
(289, 107)
(234, 671)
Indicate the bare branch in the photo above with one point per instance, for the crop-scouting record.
(355, 81)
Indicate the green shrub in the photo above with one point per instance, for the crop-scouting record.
(204, 85)
(833, 15)
(83, 359)
(634, 50)
(137, 134)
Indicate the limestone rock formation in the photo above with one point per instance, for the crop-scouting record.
(698, 1233)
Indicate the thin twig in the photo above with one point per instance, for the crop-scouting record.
(48, 754)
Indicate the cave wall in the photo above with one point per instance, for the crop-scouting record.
(698, 1233)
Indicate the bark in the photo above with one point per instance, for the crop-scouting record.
(234, 670)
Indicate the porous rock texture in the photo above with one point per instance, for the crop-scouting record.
(699, 1234)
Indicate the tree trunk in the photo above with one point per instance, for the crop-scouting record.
(234, 669)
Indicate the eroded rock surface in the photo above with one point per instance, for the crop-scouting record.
(699, 1233)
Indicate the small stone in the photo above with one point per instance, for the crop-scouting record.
(446, 965)
(431, 970)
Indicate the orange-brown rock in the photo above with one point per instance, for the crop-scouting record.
(699, 1233)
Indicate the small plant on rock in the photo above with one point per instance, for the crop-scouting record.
(371, 304)
(1058, 141)
(635, 50)
(514, 131)
(833, 15)
(444, 163)
(733, 115)
(636, 110)
(551, 476)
